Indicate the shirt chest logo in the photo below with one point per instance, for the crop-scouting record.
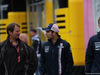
(97, 46)
(61, 46)
(47, 49)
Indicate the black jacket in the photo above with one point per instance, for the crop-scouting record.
(93, 55)
(9, 59)
(36, 44)
(56, 58)
(33, 61)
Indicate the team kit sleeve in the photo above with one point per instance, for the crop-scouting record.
(69, 60)
(42, 62)
(0, 60)
(89, 57)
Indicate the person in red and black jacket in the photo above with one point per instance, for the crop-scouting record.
(14, 54)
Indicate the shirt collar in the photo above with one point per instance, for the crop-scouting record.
(35, 36)
(18, 40)
(98, 34)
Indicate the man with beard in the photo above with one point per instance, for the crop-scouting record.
(56, 55)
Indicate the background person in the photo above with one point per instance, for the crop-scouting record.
(24, 37)
(36, 44)
(33, 58)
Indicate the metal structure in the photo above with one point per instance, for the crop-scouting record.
(38, 12)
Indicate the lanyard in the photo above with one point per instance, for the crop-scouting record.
(17, 48)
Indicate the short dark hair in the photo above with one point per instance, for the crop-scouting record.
(11, 26)
(98, 20)
(34, 30)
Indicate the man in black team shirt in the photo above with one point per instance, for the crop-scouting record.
(92, 59)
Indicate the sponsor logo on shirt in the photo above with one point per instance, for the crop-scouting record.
(61, 46)
(47, 49)
(97, 45)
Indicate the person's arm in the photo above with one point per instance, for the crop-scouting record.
(33, 61)
(2, 69)
(0, 55)
(89, 57)
(42, 62)
(35, 44)
(68, 60)
(0, 61)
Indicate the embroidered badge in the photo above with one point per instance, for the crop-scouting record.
(61, 46)
(97, 45)
(47, 49)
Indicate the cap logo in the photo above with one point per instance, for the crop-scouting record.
(55, 28)
(52, 27)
